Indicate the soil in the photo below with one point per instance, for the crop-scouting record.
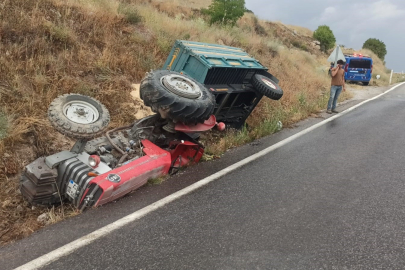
(365, 92)
(292, 38)
(141, 110)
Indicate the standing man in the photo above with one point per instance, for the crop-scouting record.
(337, 84)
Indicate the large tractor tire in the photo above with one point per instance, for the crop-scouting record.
(177, 97)
(78, 116)
(267, 87)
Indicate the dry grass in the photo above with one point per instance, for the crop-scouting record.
(52, 47)
(192, 4)
(301, 30)
(99, 48)
(398, 77)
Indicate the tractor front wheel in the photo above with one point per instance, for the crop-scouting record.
(78, 116)
(267, 87)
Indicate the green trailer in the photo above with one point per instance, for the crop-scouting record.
(237, 80)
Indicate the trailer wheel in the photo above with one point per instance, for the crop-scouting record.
(267, 87)
(366, 83)
(78, 116)
(177, 97)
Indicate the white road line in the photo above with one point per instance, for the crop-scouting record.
(87, 239)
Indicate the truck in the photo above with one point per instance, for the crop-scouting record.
(358, 68)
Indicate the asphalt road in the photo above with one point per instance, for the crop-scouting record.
(331, 199)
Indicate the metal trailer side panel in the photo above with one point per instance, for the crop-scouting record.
(198, 58)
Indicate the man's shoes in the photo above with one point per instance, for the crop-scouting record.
(335, 111)
(328, 111)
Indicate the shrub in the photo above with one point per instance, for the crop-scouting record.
(274, 47)
(225, 11)
(59, 33)
(299, 45)
(325, 36)
(376, 46)
(130, 13)
(3, 125)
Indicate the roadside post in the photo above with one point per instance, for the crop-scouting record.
(392, 71)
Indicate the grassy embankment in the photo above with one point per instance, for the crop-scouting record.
(99, 48)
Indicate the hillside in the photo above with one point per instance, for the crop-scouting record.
(100, 48)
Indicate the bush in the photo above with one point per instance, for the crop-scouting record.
(59, 34)
(130, 13)
(325, 36)
(225, 11)
(274, 47)
(3, 125)
(299, 45)
(376, 46)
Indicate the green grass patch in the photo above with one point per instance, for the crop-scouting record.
(3, 125)
(84, 89)
(147, 61)
(157, 180)
(103, 73)
(165, 41)
(59, 33)
(276, 118)
(299, 45)
(274, 46)
(268, 127)
(130, 13)
(302, 99)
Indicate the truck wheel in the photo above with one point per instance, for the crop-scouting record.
(177, 97)
(78, 116)
(366, 83)
(267, 87)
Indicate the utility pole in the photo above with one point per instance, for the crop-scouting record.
(392, 71)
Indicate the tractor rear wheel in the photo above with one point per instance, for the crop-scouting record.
(177, 97)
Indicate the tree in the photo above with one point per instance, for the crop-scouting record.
(325, 36)
(376, 46)
(226, 11)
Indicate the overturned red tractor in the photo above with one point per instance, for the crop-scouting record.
(104, 166)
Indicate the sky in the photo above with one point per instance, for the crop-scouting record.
(352, 21)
